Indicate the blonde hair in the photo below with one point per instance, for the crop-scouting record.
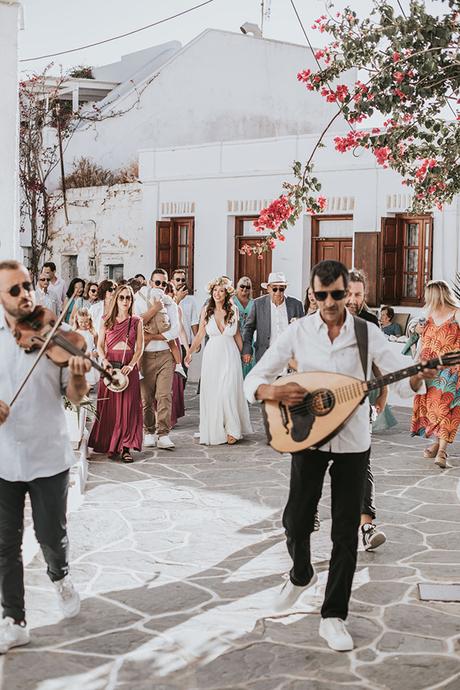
(84, 313)
(438, 293)
(245, 279)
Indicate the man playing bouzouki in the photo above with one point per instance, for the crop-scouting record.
(327, 342)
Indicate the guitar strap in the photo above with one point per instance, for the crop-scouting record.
(362, 339)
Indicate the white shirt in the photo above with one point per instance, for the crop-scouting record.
(140, 307)
(190, 316)
(96, 311)
(34, 441)
(279, 320)
(47, 299)
(307, 340)
(60, 289)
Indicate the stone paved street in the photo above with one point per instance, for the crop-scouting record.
(178, 557)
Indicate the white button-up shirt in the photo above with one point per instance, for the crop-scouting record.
(34, 441)
(48, 299)
(60, 289)
(141, 307)
(279, 320)
(307, 340)
(190, 316)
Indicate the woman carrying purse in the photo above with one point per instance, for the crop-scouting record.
(118, 426)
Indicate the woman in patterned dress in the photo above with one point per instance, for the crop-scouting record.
(437, 412)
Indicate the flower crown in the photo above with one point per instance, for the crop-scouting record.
(222, 282)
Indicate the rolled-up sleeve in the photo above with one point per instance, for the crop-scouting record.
(388, 360)
(275, 359)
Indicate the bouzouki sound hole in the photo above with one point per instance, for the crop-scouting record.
(322, 402)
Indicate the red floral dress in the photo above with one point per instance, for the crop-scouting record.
(437, 412)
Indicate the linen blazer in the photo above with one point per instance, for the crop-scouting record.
(259, 320)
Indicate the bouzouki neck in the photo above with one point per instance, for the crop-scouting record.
(446, 360)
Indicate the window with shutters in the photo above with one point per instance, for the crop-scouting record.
(406, 259)
(175, 243)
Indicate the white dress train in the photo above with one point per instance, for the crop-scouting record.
(223, 407)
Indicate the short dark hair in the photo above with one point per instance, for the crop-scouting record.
(389, 310)
(51, 265)
(10, 265)
(178, 270)
(139, 275)
(329, 271)
(161, 271)
(358, 276)
(71, 288)
(135, 285)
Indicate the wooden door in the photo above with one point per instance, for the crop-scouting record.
(175, 246)
(333, 249)
(256, 269)
(390, 277)
(367, 258)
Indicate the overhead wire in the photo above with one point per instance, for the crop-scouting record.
(116, 38)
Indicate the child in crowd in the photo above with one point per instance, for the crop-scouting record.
(82, 323)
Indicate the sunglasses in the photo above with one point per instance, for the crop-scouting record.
(94, 289)
(110, 289)
(15, 290)
(245, 287)
(125, 297)
(280, 289)
(337, 295)
(179, 280)
(163, 283)
(44, 280)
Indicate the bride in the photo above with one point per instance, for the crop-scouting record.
(224, 413)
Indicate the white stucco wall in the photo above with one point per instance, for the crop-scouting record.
(105, 225)
(220, 87)
(9, 24)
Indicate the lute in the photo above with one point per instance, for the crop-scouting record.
(330, 400)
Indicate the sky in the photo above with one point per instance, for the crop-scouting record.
(55, 25)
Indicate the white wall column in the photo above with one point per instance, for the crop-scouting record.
(9, 208)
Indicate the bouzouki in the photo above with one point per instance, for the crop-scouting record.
(329, 402)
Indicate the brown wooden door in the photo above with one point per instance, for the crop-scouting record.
(367, 258)
(256, 269)
(175, 246)
(389, 274)
(333, 249)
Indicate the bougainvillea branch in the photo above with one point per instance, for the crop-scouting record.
(411, 78)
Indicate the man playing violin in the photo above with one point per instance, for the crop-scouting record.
(35, 457)
(327, 341)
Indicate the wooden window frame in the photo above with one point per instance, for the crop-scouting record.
(173, 262)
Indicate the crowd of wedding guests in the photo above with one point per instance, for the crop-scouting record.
(150, 329)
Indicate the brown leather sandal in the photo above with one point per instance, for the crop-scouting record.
(431, 451)
(441, 459)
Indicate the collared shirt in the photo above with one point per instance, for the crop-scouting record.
(279, 320)
(34, 441)
(47, 299)
(307, 341)
(140, 307)
(190, 316)
(60, 289)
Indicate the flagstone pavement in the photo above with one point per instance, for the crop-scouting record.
(178, 558)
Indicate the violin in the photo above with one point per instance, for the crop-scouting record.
(40, 330)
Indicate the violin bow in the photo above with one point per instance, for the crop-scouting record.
(41, 352)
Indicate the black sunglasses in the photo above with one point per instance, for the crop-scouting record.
(245, 287)
(94, 289)
(337, 295)
(45, 280)
(179, 280)
(125, 297)
(15, 290)
(110, 289)
(163, 283)
(281, 289)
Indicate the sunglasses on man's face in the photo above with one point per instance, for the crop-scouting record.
(44, 280)
(280, 289)
(15, 290)
(337, 295)
(161, 283)
(179, 280)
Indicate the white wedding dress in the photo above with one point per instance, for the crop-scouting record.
(223, 407)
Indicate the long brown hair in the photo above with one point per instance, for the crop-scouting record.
(227, 305)
(111, 317)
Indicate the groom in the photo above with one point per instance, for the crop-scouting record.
(270, 315)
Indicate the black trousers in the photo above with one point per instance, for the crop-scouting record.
(368, 507)
(48, 497)
(347, 485)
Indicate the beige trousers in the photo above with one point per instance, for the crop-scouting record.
(158, 371)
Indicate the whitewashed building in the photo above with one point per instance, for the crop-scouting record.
(215, 130)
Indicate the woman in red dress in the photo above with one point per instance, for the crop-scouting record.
(118, 426)
(437, 412)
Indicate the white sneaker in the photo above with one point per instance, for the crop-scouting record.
(12, 635)
(68, 597)
(150, 440)
(165, 443)
(180, 370)
(196, 434)
(289, 593)
(333, 630)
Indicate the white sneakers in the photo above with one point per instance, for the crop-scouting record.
(150, 440)
(289, 594)
(180, 370)
(12, 635)
(333, 630)
(165, 443)
(68, 597)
